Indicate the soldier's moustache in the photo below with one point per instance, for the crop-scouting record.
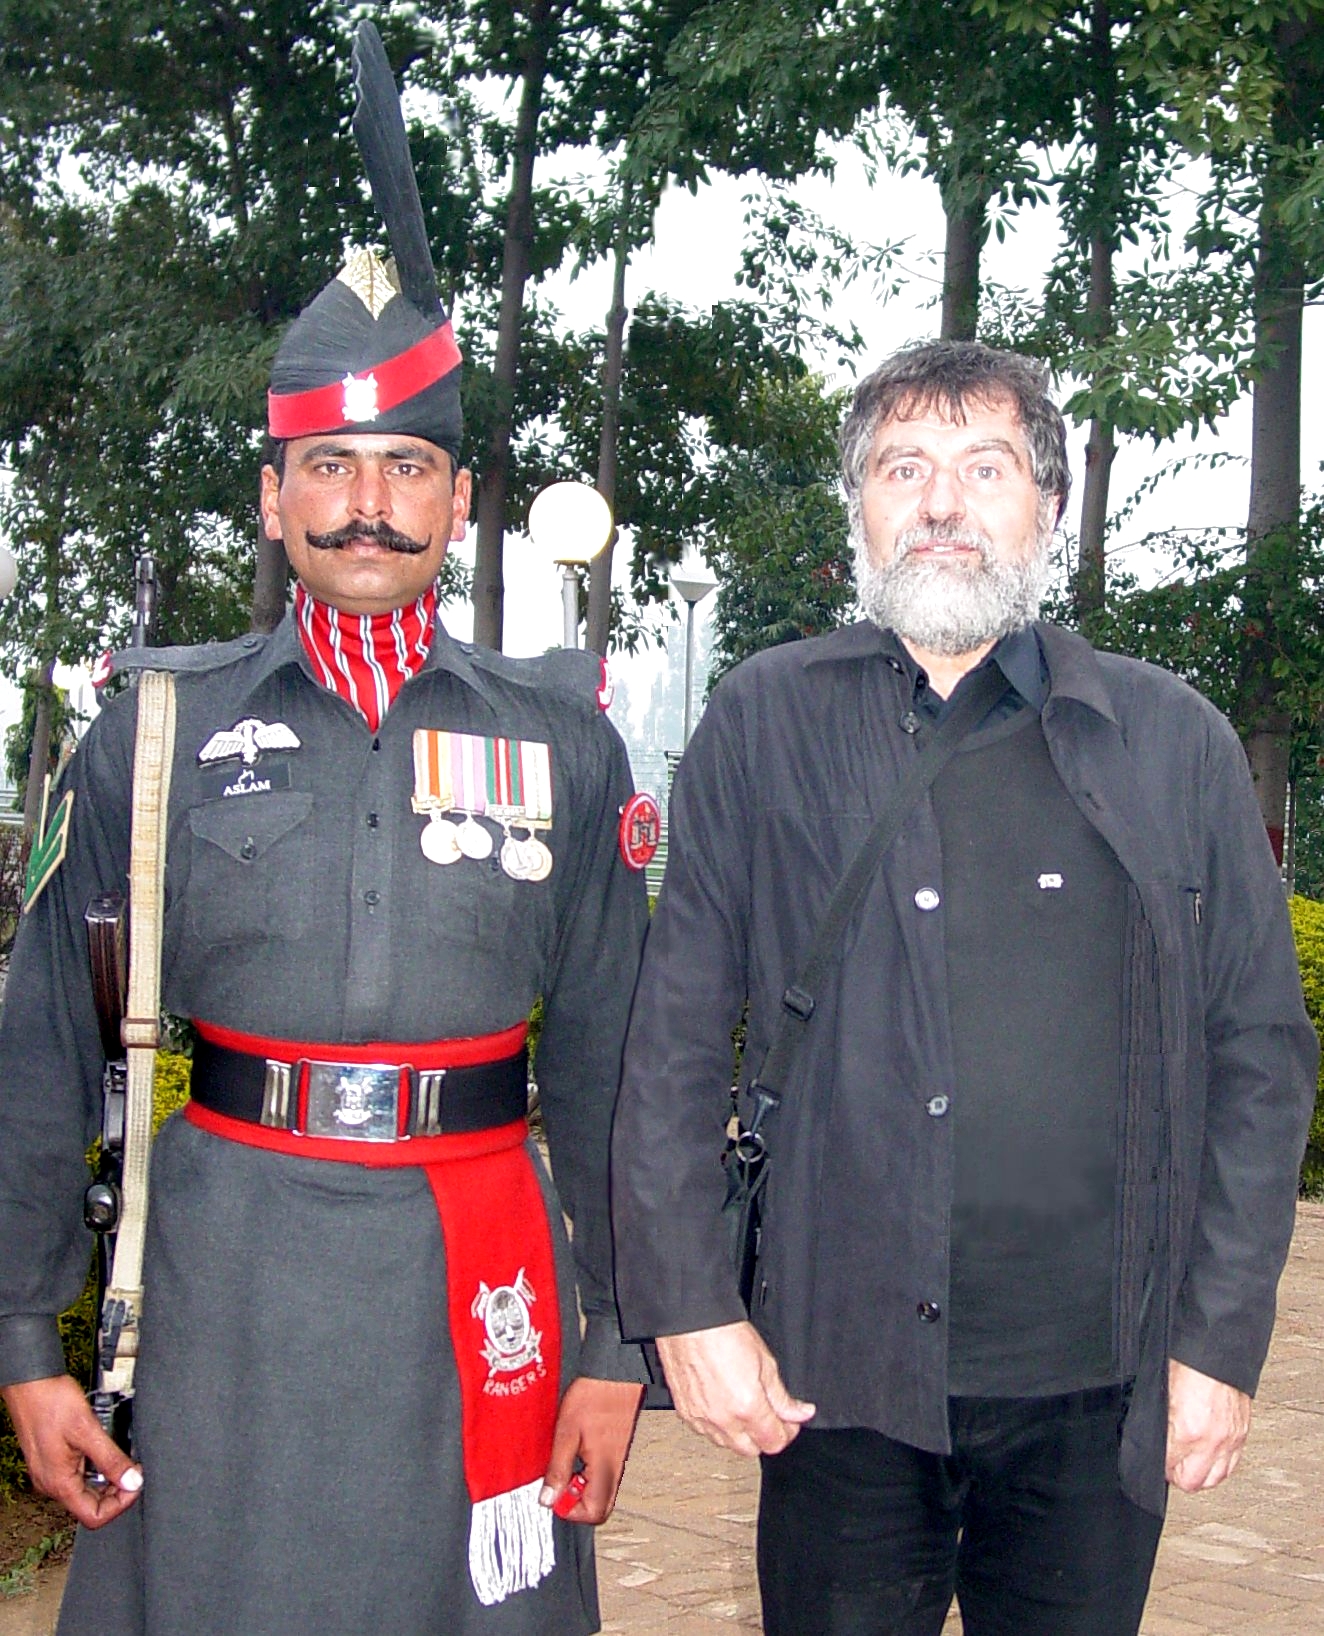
(379, 533)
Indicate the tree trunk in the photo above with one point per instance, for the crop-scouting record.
(967, 228)
(599, 585)
(1275, 506)
(270, 574)
(43, 686)
(1099, 452)
(1088, 591)
(1274, 516)
(489, 580)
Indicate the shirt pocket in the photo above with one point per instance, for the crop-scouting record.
(252, 869)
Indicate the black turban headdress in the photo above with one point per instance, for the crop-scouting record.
(374, 352)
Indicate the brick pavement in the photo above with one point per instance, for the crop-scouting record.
(1245, 1560)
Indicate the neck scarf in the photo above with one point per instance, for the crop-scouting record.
(365, 658)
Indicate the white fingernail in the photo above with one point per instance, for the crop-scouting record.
(548, 1495)
(131, 1481)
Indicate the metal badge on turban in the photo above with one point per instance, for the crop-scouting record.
(374, 351)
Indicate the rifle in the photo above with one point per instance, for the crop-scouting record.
(106, 919)
(144, 600)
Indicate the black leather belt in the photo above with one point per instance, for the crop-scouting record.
(357, 1101)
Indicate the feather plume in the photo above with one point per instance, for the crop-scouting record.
(379, 130)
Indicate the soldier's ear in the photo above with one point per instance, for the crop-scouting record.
(462, 491)
(269, 503)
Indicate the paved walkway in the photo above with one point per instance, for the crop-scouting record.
(1246, 1560)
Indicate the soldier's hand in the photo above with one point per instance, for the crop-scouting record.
(1208, 1422)
(595, 1424)
(57, 1430)
(725, 1384)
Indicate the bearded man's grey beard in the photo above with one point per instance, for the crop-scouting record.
(950, 607)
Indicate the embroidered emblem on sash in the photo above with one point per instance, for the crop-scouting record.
(512, 1345)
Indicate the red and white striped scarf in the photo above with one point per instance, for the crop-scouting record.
(365, 658)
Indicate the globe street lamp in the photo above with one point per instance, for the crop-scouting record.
(691, 582)
(8, 571)
(571, 522)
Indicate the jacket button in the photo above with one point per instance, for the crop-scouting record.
(927, 898)
(910, 723)
(937, 1106)
(372, 899)
(929, 1312)
(248, 851)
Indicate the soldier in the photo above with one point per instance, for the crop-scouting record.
(361, 1387)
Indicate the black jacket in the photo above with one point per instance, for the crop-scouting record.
(777, 792)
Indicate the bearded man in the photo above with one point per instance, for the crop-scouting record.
(1031, 1175)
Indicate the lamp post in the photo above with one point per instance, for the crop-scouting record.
(571, 522)
(8, 571)
(691, 582)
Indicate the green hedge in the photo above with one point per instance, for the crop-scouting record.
(1308, 927)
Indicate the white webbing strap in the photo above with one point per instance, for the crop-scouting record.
(141, 1029)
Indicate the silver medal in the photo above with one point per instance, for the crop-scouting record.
(512, 858)
(474, 841)
(537, 859)
(440, 840)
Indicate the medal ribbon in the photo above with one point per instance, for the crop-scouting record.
(461, 772)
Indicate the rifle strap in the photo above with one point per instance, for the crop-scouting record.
(141, 1030)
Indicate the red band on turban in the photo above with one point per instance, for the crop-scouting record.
(358, 399)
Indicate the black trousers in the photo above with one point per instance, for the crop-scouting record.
(1024, 1522)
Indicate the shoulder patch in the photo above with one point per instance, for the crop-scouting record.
(641, 830)
(48, 850)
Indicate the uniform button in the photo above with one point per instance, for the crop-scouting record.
(929, 1312)
(251, 642)
(937, 1106)
(249, 849)
(373, 820)
(376, 744)
(372, 899)
(926, 898)
(910, 723)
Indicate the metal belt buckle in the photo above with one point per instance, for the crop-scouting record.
(359, 1102)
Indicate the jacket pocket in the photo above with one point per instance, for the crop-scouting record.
(252, 868)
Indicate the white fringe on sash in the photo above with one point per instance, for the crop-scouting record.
(510, 1543)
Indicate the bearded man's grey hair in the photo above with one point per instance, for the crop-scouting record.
(950, 377)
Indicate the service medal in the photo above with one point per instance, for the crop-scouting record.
(473, 840)
(512, 858)
(538, 858)
(440, 840)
